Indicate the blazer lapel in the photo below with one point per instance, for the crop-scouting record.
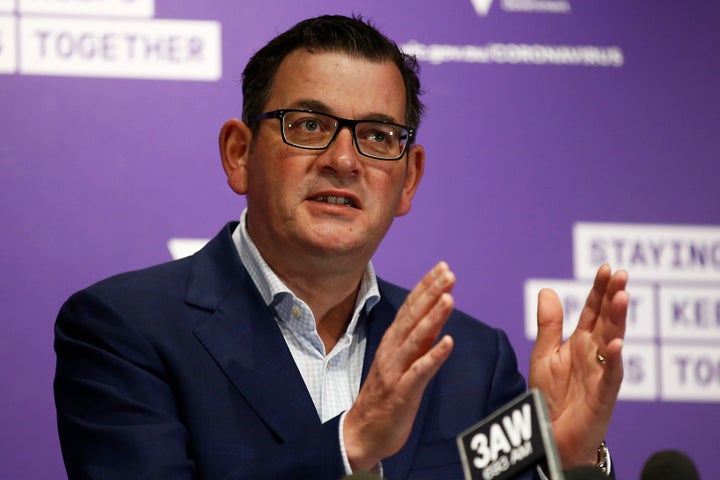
(242, 336)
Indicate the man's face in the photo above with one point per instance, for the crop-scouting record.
(289, 215)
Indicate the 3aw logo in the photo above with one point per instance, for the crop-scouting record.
(482, 7)
(513, 439)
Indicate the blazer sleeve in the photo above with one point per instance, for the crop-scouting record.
(116, 414)
(120, 416)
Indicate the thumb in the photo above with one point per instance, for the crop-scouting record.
(549, 323)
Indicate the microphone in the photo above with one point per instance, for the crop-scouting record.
(585, 473)
(510, 441)
(362, 476)
(669, 465)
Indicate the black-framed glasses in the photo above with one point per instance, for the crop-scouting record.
(317, 131)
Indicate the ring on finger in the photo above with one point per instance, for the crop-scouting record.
(600, 357)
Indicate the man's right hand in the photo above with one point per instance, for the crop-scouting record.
(380, 420)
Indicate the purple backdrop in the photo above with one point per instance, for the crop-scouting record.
(526, 134)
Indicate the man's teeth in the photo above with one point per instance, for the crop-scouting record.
(334, 200)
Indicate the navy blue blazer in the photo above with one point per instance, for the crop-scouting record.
(179, 371)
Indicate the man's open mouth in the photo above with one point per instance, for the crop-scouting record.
(334, 200)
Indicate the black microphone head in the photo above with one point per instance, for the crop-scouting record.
(362, 476)
(669, 465)
(585, 473)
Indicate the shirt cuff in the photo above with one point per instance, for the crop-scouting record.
(542, 475)
(343, 453)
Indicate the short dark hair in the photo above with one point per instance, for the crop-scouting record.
(353, 36)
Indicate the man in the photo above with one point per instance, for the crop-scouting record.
(275, 352)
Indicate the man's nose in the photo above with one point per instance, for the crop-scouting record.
(342, 156)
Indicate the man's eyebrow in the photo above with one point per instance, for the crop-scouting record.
(321, 107)
(380, 117)
(314, 105)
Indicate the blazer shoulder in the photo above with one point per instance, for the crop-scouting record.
(203, 279)
(216, 256)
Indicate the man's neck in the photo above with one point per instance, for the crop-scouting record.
(330, 298)
(328, 282)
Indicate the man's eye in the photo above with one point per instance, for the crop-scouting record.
(309, 125)
(378, 137)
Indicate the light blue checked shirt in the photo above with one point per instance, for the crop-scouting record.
(332, 378)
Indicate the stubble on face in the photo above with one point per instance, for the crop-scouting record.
(330, 204)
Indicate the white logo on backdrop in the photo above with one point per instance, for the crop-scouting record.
(106, 38)
(184, 247)
(482, 7)
(672, 342)
(519, 53)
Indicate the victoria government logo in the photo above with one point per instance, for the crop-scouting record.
(482, 7)
(436, 51)
(672, 343)
(106, 38)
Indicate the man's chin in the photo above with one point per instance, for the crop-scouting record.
(338, 242)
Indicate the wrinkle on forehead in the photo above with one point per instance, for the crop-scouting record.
(321, 107)
(338, 84)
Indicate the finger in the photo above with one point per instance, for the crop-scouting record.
(549, 323)
(421, 299)
(425, 367)
(421, 338)
(595, 299)
(613, 371)
(612, 323)
(608, 338)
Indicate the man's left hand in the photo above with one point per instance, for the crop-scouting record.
(581, 378)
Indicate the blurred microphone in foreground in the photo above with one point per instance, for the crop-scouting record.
(585, 473)
(362, 476)
(669, 465)
(513, 440)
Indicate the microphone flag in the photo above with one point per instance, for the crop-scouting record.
(510, 441)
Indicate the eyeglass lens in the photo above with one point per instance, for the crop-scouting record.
(315, 130)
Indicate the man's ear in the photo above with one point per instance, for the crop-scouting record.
(413, 175)
(234, 140)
